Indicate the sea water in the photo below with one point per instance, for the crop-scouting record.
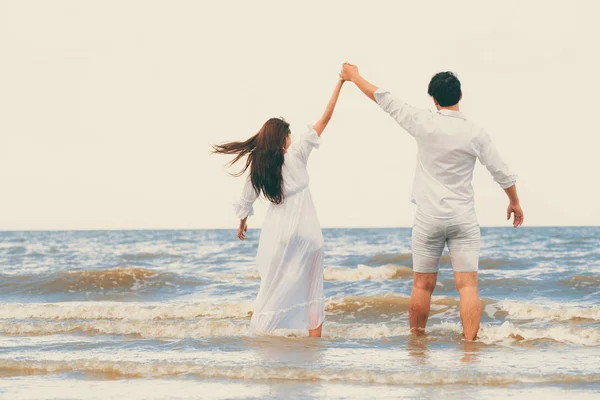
(165, 314)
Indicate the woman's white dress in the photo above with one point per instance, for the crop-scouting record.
(290, 251)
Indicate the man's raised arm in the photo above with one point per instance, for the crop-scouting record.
(406, 116)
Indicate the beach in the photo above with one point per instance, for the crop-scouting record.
(165, 314)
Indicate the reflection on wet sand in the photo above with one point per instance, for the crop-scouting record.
(287, 350)
(417, 347)
(471, 350)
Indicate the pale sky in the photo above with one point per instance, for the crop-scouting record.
(107, 108)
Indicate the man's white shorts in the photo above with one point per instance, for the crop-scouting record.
(430, 235)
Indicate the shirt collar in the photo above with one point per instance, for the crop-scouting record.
(452, 113)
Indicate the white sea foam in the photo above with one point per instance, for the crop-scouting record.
(364, 331)
(376, 306)
(522, 310)
(505, 334)
(86, 310)
(360, 273)
(145, 329)
(508, 333)
(201, 319)
(363, 272)
(133, 369)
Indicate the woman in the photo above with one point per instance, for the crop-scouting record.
(290, 251)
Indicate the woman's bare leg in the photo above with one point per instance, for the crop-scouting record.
(315, 332)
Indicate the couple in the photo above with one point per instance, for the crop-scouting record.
(291, 248)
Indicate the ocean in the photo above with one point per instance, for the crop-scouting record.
(165, 314)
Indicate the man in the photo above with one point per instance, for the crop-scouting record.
(448, 145)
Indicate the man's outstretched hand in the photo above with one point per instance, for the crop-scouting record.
(349, 72)
(517, 211)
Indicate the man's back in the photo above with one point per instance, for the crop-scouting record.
(448, 146)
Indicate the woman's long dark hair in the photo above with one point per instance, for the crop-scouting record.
(265, 152)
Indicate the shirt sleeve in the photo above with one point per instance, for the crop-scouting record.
(406, 116)
(490, 158)
(244, 206)
(305, 144)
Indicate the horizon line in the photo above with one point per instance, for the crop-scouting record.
(257, 229)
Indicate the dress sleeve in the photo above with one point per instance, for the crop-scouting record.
(306, 143)
(244, 206)
(406, 116)
(490, 158)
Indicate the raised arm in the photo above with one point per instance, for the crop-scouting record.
(324, 120)
(408, 117)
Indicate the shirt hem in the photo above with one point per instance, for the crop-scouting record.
(471, 209)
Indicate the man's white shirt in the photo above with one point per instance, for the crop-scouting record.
(448, 145)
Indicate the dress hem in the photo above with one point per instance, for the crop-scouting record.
(275, 314)
(285, 310)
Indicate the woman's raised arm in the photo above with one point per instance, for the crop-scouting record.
(322, 123)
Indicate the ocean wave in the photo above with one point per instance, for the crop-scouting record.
(88, 310)
(382, 259)
(388, 271)
(510, 333)
(379, 306)
(360, 273)
(10, 244)
(363, 272)
(406, 259)
(136, 369)
(557, 312)
(147, 256)
(505, 334)
(16, 250)
(384, 305)
(582, 281)
(197, 329)
(498, 263)
(504, 282)
(371, 316)
(114, 279)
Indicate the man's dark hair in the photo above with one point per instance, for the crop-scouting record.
(444, 87)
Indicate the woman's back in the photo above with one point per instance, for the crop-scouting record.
(290, 251)
(295, 174)
(291, 248)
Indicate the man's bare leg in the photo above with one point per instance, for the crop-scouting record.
(470, 304)
(420, 300)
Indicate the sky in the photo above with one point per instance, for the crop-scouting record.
(108, 109)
